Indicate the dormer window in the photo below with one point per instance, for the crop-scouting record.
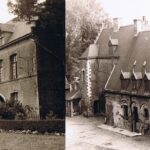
(147, 82)
(125, 80)
(136, 80)
(113, 44)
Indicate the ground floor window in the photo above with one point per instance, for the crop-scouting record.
(14, 96)
(146, 113)
(125, 111)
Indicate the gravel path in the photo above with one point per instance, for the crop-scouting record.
(83, 134)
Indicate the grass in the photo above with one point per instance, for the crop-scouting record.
(12, 141)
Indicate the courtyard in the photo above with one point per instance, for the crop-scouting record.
(83, 134)
(13, 141)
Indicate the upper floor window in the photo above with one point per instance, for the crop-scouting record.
(13, 66)
(1, 70)
(136, 80)
(125, 80)
(83, 75)
(147, 82)
(146, 85)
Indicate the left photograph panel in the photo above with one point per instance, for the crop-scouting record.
(32, 74)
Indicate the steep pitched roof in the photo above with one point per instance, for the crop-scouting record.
(16, 28)
(91, 51)
(125, 75)
(130, 48)
(147, 74)
(113, 42)
(137, 75)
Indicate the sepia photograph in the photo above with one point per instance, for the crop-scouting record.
(32, 75)
(107, 75)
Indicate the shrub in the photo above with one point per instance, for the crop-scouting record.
(12, 110)
(54, 125)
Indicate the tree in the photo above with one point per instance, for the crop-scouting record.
(24, 9)
(83, 22)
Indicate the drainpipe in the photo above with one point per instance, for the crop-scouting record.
(110, 76)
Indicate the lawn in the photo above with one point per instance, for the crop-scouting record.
(13, 141)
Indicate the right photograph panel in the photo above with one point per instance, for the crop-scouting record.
(107, 75)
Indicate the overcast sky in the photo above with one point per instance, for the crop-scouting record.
(125, 9)
(4, 15)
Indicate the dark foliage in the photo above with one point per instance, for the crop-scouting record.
(40, 125)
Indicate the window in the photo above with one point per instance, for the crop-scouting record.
(1, 70)
(14, 96)
(134, 84)
(125, 111)
(13, 66)
(146, 85)
(83, 75)
(146, 113)
(124, 84)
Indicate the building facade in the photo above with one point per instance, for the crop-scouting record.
(18, 64)
(121, 76)
(29, 71)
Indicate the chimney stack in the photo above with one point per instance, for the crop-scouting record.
(116, 24)
(144, 68)
(133, 67)
(137, 26)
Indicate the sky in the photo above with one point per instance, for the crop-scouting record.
(127, 10)
(4, 15)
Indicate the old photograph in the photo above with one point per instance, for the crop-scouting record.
(107, 75)
(32, 75)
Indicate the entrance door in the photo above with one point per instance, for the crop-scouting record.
(135, 118)
(96, 107)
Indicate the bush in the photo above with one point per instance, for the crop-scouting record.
(9, 109)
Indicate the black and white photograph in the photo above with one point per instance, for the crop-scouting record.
(74, 75)
(107, 75)
(32, 75)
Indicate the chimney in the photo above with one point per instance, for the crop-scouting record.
(133, 67)
(145, 24)
(116, 24)
(144, 68)
(137, 26)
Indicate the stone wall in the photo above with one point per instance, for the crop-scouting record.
(115, 112)
(96, 73)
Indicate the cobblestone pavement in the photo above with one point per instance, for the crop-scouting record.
(83, 134)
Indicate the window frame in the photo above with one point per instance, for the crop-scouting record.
(1, 70)
(13, 67)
